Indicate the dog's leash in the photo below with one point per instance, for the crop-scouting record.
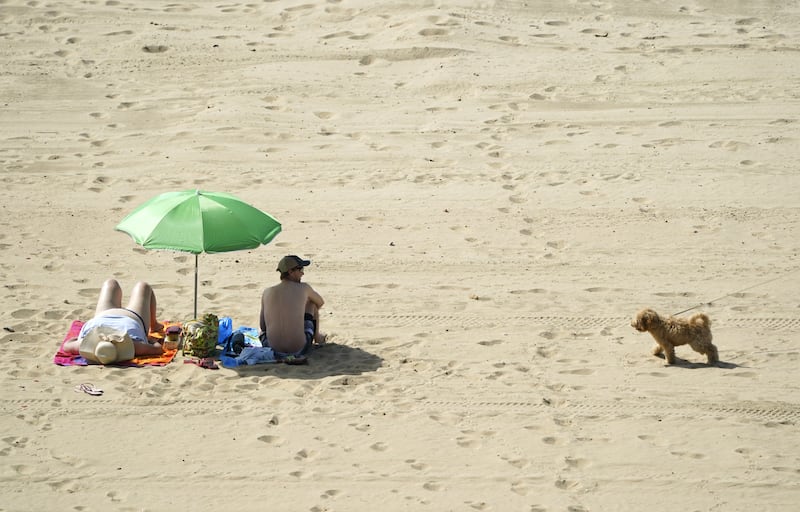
(738, 291)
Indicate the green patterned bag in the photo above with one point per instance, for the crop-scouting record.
(200, 336)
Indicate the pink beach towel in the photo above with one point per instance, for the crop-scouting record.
(64, 359)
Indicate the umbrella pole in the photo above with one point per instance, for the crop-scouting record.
(195, 286)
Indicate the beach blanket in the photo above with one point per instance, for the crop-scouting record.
(64, 359)
(249, 356)
(253, 352)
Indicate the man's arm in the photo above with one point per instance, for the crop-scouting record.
(262, 321)
(314, 297)
(146, 349)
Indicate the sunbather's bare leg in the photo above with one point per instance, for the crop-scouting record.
(143, 301)
(110, 297)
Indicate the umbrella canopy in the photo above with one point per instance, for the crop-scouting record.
(195, 221)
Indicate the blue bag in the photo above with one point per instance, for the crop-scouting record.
(225, 329)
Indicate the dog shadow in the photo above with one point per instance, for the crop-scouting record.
(690, 365)
(328, 360)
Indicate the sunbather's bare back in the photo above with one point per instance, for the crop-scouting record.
(284, 306)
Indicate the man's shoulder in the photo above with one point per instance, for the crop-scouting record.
(285, 286)
(271, 289)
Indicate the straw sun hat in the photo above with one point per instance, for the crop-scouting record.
(106, 345)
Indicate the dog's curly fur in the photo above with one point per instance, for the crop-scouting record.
(670, 332)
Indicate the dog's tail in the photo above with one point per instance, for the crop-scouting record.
(700, 320)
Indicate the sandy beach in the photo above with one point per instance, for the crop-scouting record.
(488, 193)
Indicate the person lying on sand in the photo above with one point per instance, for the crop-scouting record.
(289, 317)
(136, 320)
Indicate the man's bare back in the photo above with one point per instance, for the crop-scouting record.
(284, 308)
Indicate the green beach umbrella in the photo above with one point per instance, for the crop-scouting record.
(195, 221)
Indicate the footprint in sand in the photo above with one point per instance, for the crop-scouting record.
(553, 441)
(519, 463)
(432, 486)
(430, 32)
(563, 483)
(574, 462)
(303, 7)
(688, 455)
(304, 455)
(579, 371)
(344, 33)
(521, 488)
(747, 375)
(154, 48)
(23, 313)
(470, 439)
(419, 466)
(13, 442)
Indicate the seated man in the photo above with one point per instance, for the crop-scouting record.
(289, 317)
(136, 320)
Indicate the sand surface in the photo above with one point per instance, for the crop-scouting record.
(488, 191)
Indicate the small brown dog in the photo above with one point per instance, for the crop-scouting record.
(670, 332)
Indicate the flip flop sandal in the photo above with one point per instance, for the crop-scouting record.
(206, 363)
(295, 360)
(89, 389)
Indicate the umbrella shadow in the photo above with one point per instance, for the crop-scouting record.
(329, 360)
